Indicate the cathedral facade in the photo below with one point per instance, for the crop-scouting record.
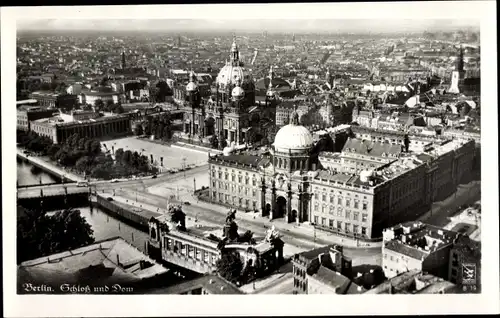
(230, 112)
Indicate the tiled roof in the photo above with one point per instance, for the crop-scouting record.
(406, 250)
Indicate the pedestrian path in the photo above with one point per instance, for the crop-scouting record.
(50, 166)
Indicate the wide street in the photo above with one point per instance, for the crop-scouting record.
(157, 193)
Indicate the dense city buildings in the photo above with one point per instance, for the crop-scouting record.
(368, 145)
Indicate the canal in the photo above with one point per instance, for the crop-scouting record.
(103, 225)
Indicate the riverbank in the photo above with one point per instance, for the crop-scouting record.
(49, 167)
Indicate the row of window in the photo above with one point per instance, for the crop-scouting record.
(241, 189)
(392, 258)
(346, 214)
(341, 226)
(190, 251)
(340, 201)
(299, 272)
(234, 200)
(299, 284)
(233, 177)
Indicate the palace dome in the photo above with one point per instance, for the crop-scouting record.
(293, 137)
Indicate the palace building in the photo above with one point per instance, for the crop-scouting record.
(370, 185)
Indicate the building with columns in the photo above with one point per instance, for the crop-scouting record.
(58, 131)
(381, 184)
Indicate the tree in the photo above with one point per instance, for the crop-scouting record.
(39, 234)
(214, 142)
(119, 154)
(83, 164)
(230, 266)
(178, 217)
(110, 106)
(99, 105)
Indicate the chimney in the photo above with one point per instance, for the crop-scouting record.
(118, 259)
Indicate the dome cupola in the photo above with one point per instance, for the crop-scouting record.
(238, 92)
(293, 138)
(191, 86)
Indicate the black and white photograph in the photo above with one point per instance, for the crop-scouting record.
(223, 155)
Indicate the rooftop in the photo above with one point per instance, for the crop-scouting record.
(213, 284)
(109, 261)
(367, 147)
(416, 239)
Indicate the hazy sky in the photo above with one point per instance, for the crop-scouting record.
(277, 25)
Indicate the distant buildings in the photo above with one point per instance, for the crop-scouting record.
(25, 115)
(54, 100)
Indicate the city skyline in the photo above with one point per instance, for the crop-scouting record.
(251, 25)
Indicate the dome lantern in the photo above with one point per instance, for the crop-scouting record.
(191, 86)
(238, 92)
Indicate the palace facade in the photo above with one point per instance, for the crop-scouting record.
(371, 185)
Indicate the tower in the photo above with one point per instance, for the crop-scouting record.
(458, 74)
(123, 61)
(270, 94)
(179, 43)
(193, 99)
(235, 54)
(329, 110)
(328, 79)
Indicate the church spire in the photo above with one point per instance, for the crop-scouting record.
(460, 60)
(270, 86)
(235, 54)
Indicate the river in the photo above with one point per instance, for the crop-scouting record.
(27, 176)
(104, 225)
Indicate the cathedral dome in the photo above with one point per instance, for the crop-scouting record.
(230, 74)
(233, 71)
(191, 86)
(238, 92)
(293, 137)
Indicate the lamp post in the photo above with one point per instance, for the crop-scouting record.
(184, 165)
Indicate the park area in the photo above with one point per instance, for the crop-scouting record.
(174, 157)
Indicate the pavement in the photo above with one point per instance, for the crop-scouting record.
(295, 242)
(441, 211)
(173, 157)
